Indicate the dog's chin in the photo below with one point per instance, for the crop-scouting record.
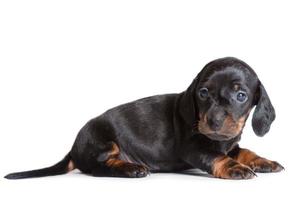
(218, 137)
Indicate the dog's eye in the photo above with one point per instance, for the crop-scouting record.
(203, 93)
(241, 97)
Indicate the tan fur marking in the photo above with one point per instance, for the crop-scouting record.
(113, 156)
(71, 166)
(114, 162)
(115, 151)
(236, 87)
(219, 167)
(246, 156)
(230, 126)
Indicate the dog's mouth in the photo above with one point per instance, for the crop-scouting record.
(229, 129)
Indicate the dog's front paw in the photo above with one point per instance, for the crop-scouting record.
(240, 172)
(263, 165)
(228, 168)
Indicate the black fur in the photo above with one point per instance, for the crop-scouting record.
(161, 132)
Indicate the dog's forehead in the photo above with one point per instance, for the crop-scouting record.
(223, 63)
(233, 70)
(228, 75)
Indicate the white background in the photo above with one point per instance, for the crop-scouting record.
(64, 62)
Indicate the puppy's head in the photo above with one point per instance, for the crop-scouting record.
(221, 97)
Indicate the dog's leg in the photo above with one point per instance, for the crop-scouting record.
(227, 168)
(115, 167)
(255, 162)
(217, 164)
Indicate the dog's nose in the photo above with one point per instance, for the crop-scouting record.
(215, 117)
(215, 125)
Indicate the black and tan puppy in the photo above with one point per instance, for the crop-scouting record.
(198, 128)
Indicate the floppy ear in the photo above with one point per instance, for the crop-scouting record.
(187, 104)
(264, 113)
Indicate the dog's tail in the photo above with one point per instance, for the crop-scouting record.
(62, 167)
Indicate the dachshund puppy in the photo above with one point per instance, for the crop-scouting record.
(198, 128)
